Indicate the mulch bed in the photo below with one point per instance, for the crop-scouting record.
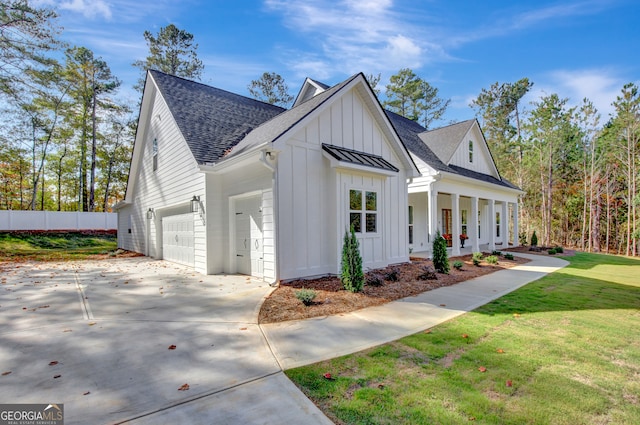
(332, 298)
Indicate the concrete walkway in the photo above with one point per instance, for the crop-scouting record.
(95, 336)
(303, 342)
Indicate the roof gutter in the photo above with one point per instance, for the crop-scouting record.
(230, 163)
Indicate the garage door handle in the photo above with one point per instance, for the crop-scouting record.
(238, 255)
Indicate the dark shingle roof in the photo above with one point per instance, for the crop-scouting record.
(274, 128)
(211, 120)
(358, 158)
(413, 135)
(444, 141)
(481, 176)
(408, 131)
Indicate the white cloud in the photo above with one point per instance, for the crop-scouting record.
(600, 86)
(507, 21)
(89, 9)
(357, 35)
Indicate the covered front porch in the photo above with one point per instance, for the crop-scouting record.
(468, 223)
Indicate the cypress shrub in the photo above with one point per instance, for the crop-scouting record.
(352, 276)
(534, 239)
(440, 257)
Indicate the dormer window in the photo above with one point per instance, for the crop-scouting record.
(470, 150)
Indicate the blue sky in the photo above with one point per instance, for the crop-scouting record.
(577, 49)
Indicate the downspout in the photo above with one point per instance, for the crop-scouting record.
(273, 156)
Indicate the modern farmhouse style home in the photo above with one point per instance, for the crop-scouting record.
(228, 184)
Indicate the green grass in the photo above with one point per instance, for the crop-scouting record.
(17, 246)
(569, 343)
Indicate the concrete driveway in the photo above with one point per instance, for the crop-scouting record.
(96, 336)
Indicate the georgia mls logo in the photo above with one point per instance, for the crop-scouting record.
(32, 414)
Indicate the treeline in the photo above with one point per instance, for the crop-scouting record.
(66, 135)
(578, 170)
(66, 138)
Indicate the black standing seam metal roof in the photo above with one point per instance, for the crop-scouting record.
(358, 158)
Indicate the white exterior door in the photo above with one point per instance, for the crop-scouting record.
(248, 240)
(177, 239)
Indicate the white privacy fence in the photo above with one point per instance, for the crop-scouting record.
(57, 220)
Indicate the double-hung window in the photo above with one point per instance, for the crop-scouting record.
(363, 211)
(470, 150)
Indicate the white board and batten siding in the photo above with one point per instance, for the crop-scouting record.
(247, 191)
(309, 190)
(481, 161)
(164, 189)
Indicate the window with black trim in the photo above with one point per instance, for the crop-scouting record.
(363, 211)
(155, 154)
(470, 150)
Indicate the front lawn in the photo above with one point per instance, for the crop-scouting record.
(562, 350)
(47, 246)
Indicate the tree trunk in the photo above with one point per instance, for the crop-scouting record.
(92, 187)
(595, 223)
(64, 153)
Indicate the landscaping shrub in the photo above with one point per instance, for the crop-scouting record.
(494, 252)
(428, 273)
(374, 279)
(508, 256)
(492, 259)
(559, 249)
(458, 265)
(440, 256)
(306, 295)
(534, 239)
(392, 275)
(552, 251)
(476, 258)
(352, 276)
(523, 238)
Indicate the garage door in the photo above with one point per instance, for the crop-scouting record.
(177, 239)
(249, 251)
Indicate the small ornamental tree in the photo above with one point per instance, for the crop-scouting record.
(534, 239)
(440, 257)
(352, 276)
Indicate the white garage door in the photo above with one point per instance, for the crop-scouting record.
(177, 239)
(249, 250)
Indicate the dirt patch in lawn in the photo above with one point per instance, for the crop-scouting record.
(332, 298)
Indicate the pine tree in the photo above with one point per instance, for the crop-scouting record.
(270, 88)
(440, 257)
(352, 276)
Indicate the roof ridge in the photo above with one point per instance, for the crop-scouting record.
(451, 125)
(216, 88)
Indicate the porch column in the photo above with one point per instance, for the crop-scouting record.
(516, 231)
(455, 228)
(504, 224)
(472, 227)
(433, 216)
(492, 224)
